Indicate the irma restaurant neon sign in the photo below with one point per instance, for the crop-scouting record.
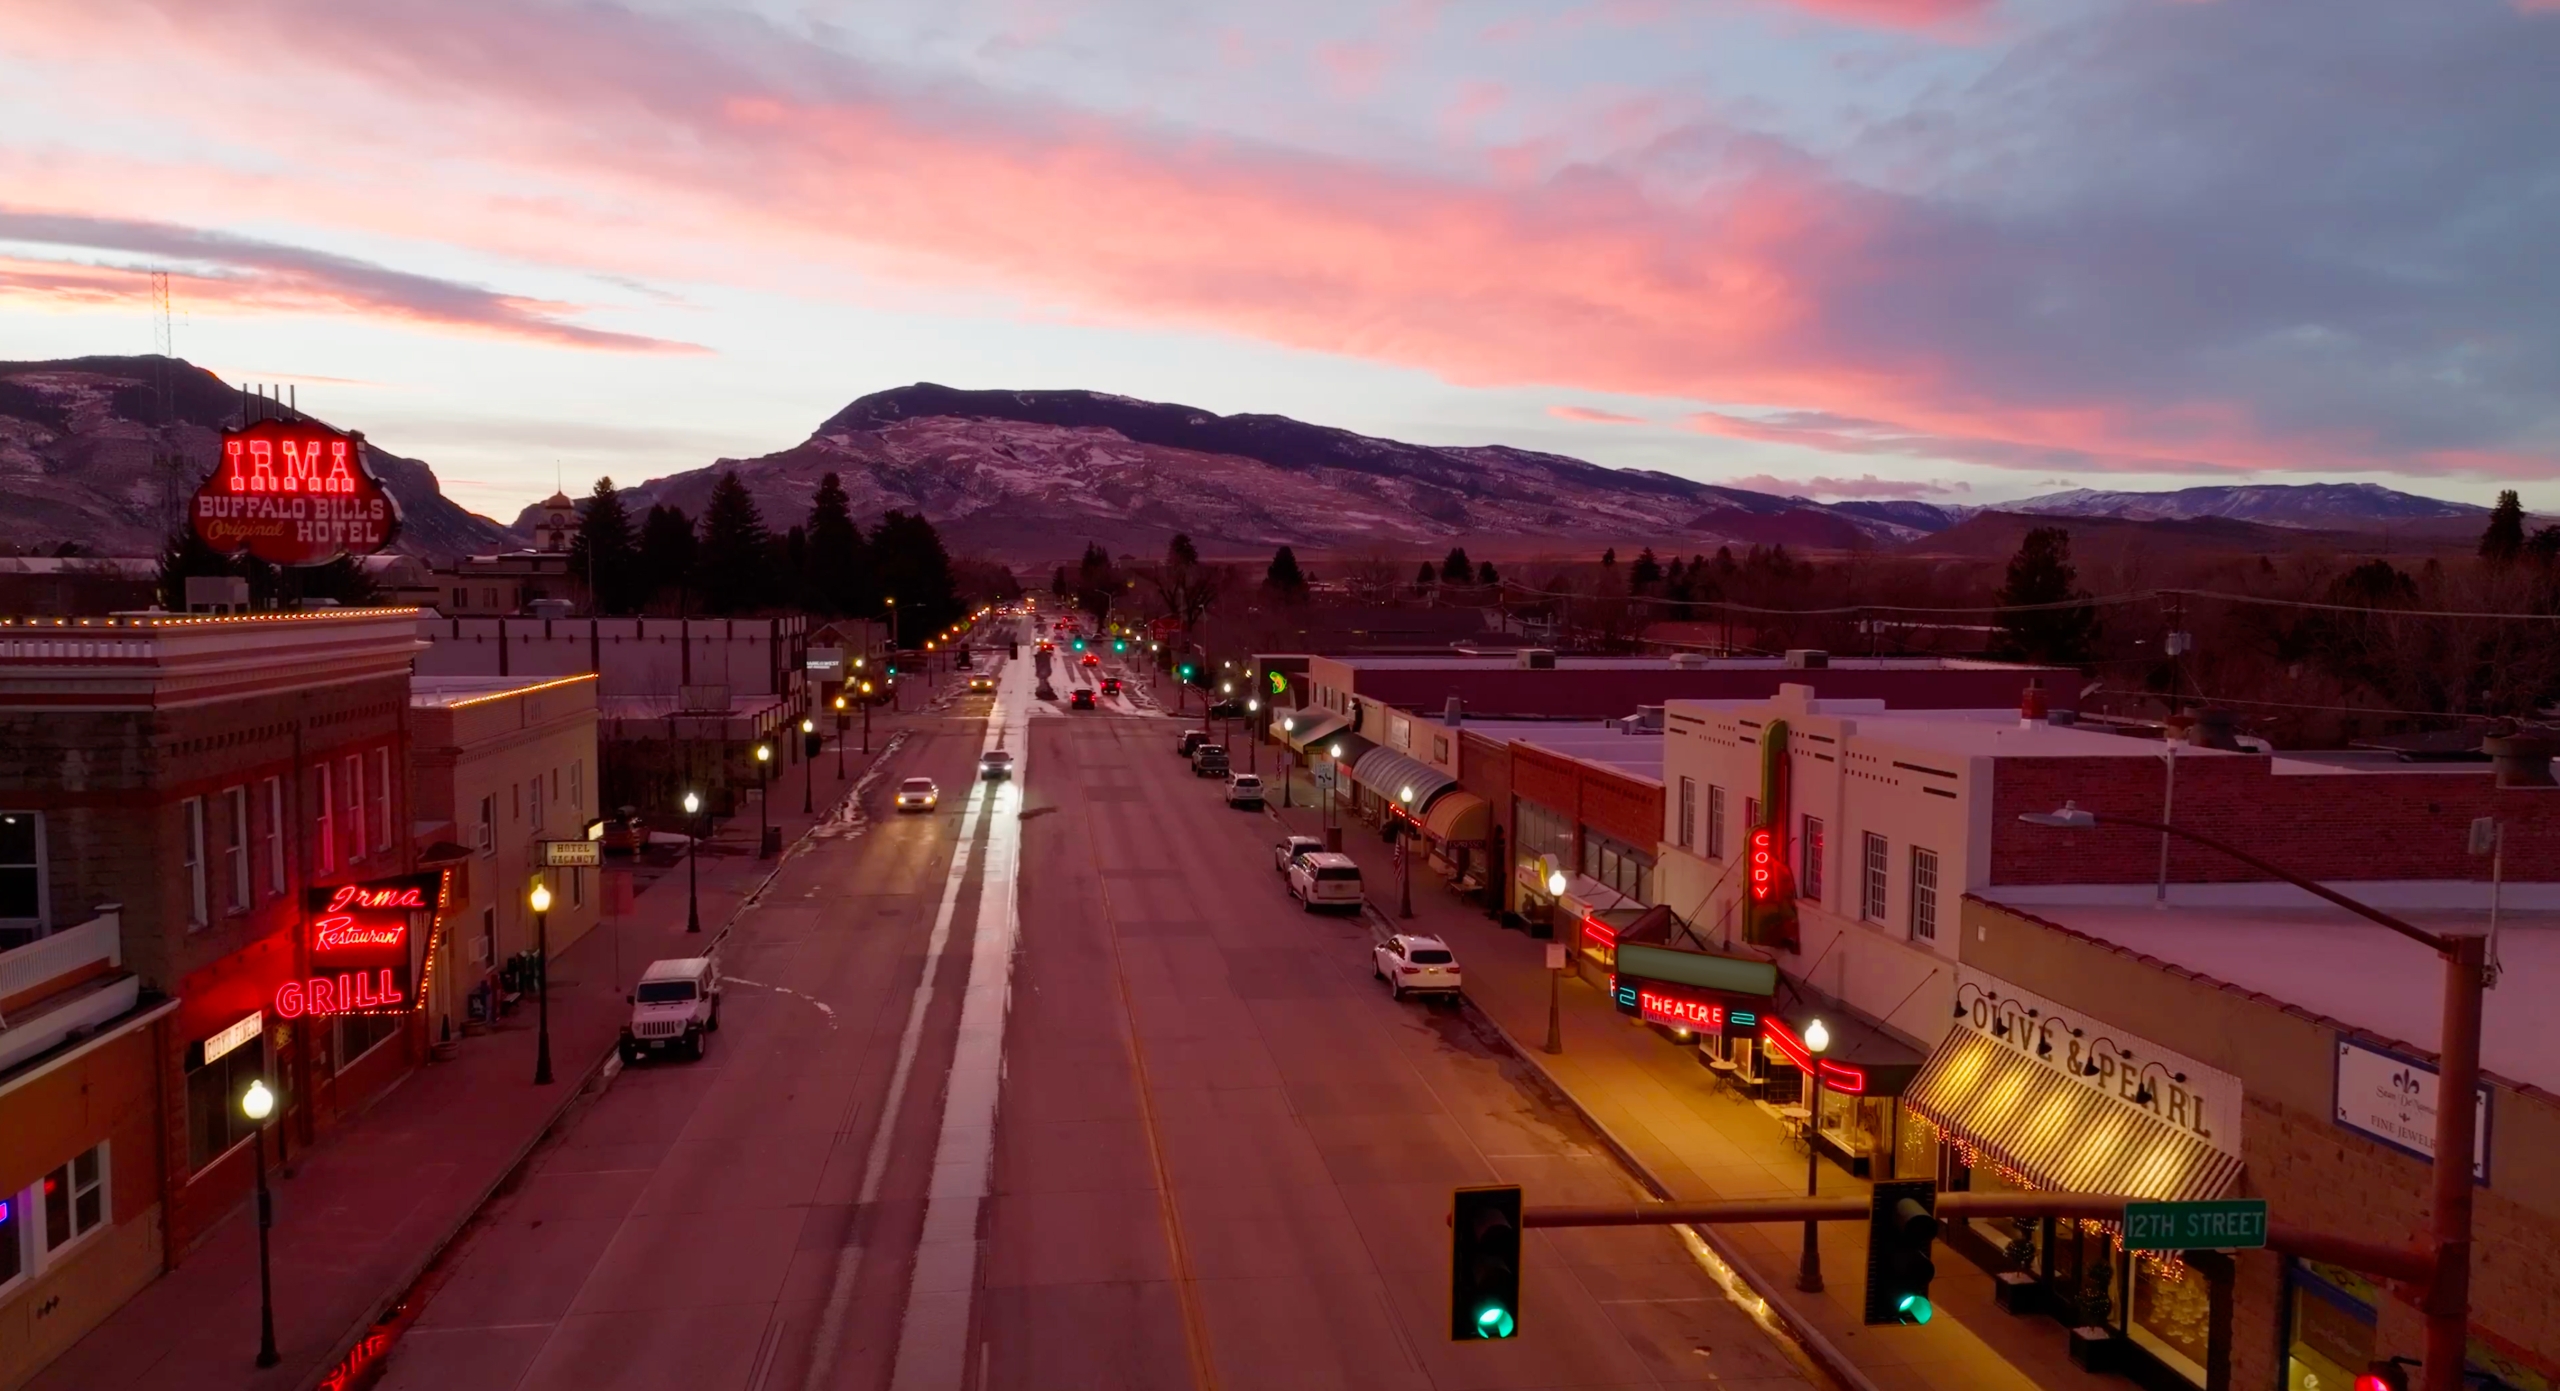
(360, 948)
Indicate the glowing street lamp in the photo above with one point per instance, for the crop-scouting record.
(1556, 883)
(1404, 854)
(692, 865)
(257, 1104)
(840, 723)
(866, 719)
(1817, 1041)
(808, 765)
(541, 901)
(764, 814)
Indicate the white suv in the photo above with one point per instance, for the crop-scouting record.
(674, 1009)
(1415, 965)
(1325, 880)
(1244, 790)
(1290, 848)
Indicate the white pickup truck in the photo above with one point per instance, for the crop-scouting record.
(674, 1010)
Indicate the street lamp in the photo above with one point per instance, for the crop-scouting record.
(808, 769)
(866, 719)
(1253, 723)
(257, 1104)
(764, 816)
(2447, 1300)
(840, 722)
(1556, 883)
(542, 972)
(1404, 855)
(1334, 751)
(1817, 1041)
(693, 865)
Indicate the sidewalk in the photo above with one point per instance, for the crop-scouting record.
(360, 1217)
(1692, 1140)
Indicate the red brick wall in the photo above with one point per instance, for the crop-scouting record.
(2325, 826)
(1619, 806)
(1543, 778)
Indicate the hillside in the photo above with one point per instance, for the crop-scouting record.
(88, 456)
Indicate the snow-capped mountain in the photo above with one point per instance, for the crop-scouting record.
(2304, 506)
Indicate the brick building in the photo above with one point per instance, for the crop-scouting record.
(206, 773)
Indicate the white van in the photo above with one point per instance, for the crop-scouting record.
(1325, 880)
(674, 1009)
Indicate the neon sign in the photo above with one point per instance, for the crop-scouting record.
(1764, 864)
(1678, 1013)
(1838, 1077)
(1785, 1041)
(1598, 933)
(348, 993)
(360, 940)
(291, 492)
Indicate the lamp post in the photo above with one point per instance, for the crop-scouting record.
(1253, 725)
(764, 814)
(892, 602)
(1404, 854)
(1288, 783)
(1555, 996)
(257, 1104)
(693, 865)
(840, 723)
(1333, 751)
(1557, 883)
(2447, 1297)
(1817, 1041)
(1226, 697)
(542, 973)
(866, 719)
(808, 765)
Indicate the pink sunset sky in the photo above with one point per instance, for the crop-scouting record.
(1950, 249)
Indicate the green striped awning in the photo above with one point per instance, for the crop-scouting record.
(2063, 1134)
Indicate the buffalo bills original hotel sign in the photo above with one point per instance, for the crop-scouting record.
(362, 938)
(291, 492)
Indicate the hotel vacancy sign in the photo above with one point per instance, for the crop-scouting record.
(2392, 1097)
(2122, 1066)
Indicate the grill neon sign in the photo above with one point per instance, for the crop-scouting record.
(360, 948)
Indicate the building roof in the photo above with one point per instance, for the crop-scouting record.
(1508, 661)
(2331, 963)
(451, 692)
(1962, 733)
(1637, 755)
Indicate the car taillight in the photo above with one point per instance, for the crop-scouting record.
(1409, 970)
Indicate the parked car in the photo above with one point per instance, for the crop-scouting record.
(1244, 790)
(1325, 879)
(1082, 699)
(1209, 761)
(1416, 965)
(918, 794)
(1290, 848)
(1191, 739)
(625, 833)
(674, 1009)
(996, 764)
(1227, 710)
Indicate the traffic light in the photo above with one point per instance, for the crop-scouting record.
(1902, 1223)
(1119, 644)
(1484, 1263)
(1079, 644)
(2387, 1374)
(1186, 671)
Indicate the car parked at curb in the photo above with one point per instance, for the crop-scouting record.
(1289, 848)
(1325, 879)
(1244, 790)
(674, 1010)
(1191, 739)
(1209, 761)
(1412, 964)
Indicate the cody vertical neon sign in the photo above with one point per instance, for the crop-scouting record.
(1769, 910)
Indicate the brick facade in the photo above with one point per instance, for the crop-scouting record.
(1614, 804)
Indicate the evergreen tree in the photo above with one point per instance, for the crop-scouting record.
(1062, 586)
(1609, 559)
(839, 559)
(792, 558)
(1645, 573)
(606, 556)
(187, 556)
(666, 551)
(1485, 573)
(732, 563)
(912, 567)
(1423, 577)
(2041, 573)
(1724, 562)
(1455, 568)
(1284, 579)
(1180, 551)
(2545, 546)
(1097, 582)
(2503, 540)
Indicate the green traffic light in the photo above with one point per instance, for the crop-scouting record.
(1914, 1308)
(1495, 1322)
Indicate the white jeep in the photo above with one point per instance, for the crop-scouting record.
(675, 1009)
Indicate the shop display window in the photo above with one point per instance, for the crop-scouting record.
(214, 1122)
(2330, 1321)
(359, 1034)
(2172, 1315)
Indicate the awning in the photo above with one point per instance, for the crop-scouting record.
(1354, 748)
(2062, 1133)
(1391, 774)
(1458, 817)
(1304, 725)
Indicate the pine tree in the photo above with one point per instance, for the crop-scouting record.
(1455, 568)
(605, 556)
(1097, 581)
(1284, 579)
(2503, 540)
(2041, 573)
(913, 567)
(1609, 559)
(1180, 551)
(839, 559)
(1485, 573)
(666, 552)
(1423, 577)
(1645, 573)
(1062, 586)
(732, 563)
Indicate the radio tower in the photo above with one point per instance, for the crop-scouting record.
(168, 456)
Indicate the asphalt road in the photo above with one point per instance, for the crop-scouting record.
(1155, 1127)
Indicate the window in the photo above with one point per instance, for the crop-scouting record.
(353, 792)
(577, 888)
(577, 786)
(270, 842)
(75, 1198)
(1440, 749)
(1685, 834)
(359, 1034)
(22, 881)
(664, 992)
(1924, 894)
(1541, 831)
(193, 852)
(1872, 909)
(382, 799)
(235, 848)
(1809, 882)
(535, 804)
(1750, 815)
(1715, 822)
(461, 599)
(324, 838)
(214, 1085)
(1619, 865)
(487, 833)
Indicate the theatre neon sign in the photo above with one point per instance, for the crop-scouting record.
(1678, 1013)
(360, 948)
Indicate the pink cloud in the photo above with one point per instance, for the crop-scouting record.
(1868, 486)
(1590, 416)
(1897, 14)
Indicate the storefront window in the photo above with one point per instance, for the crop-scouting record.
(2172, 1314)
(1619, 865)
(1860, 1126)
(2331, 1316)
(359, 1034)
(1540, 831)
(214, 1122)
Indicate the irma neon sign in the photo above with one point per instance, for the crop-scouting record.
(291, 492)
(360, 948)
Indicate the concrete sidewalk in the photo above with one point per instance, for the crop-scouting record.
(361, 1216)
(1690, 1139)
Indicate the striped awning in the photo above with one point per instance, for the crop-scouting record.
(1297, 727)
(1460, 817)
(2063, 1134)
(1391, 774)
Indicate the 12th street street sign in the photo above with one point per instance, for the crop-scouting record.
(2222, 1224)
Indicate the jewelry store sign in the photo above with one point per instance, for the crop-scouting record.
(2391, 1097)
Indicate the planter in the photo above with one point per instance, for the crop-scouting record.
(445, 1050)
(2093, 1349)
(2017, 1292)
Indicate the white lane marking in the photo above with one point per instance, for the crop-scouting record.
(875, 1165)
(933, 1337)
(823, 1007)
